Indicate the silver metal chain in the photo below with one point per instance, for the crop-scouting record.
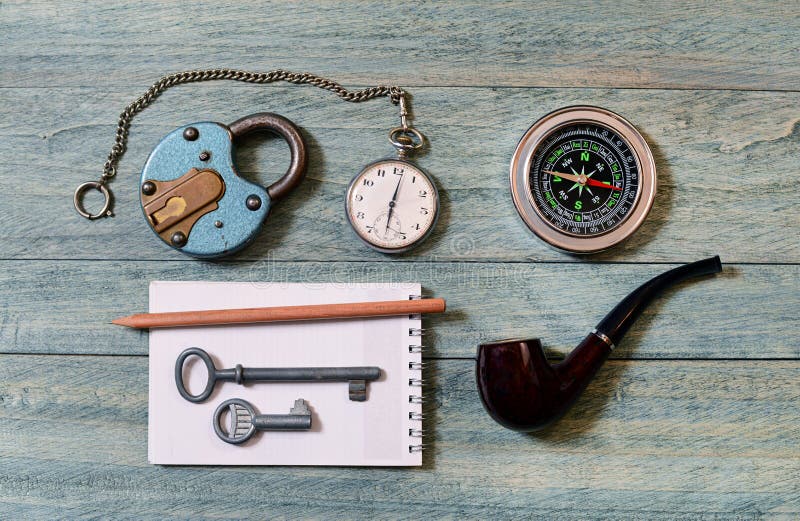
(396, 95)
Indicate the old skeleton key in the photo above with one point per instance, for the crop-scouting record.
(356, 376)
(244, 422)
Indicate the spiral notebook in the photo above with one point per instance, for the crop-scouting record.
(384, 430)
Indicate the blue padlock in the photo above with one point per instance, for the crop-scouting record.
(192, 195)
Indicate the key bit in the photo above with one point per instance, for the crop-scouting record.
(244, 422)
(300, 407)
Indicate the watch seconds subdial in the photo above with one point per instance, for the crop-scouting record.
(392, 205)
(388, 228)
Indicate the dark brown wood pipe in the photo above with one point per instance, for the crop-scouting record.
(521, 390)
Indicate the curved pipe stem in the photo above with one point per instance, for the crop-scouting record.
(622, 317)
(521, 390)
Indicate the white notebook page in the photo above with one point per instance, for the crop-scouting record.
(344, 432)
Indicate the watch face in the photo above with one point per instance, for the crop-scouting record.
(584, 179)
(392, 205)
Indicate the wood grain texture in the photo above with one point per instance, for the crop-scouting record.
(695, 417)
(648, 440)
(721, 158)
(745, 312)
(729, 44)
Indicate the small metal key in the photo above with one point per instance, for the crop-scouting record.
(356, 376)
(244, 422)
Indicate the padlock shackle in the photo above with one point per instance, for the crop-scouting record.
(267, 121)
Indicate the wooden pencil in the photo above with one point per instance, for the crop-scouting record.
(282, 313)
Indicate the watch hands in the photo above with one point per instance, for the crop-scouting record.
(583, 180)
(393, 202)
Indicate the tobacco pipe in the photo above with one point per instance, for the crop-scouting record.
(522, 391)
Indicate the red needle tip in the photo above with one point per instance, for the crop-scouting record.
(592, 182)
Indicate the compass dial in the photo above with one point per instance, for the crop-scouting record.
(583, 179)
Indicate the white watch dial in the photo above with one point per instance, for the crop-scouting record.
(392, 205)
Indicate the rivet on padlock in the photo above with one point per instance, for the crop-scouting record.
(189, 186)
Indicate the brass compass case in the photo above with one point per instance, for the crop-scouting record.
(521, 176)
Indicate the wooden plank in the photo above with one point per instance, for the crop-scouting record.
(721, 160)
(649, 440)
(746, 312)
(726, 44)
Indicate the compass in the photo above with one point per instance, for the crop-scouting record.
(583, 179)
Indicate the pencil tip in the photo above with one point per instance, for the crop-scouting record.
(124, 321)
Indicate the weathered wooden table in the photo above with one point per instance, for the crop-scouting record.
(695, 417)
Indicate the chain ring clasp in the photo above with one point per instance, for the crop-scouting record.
(77, 200)
(406, 138)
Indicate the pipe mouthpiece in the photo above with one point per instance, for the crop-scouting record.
(707, 266)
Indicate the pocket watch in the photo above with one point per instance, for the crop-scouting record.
(393, 204)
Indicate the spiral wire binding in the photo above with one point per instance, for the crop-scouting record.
(415, 316)
(415, 382)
